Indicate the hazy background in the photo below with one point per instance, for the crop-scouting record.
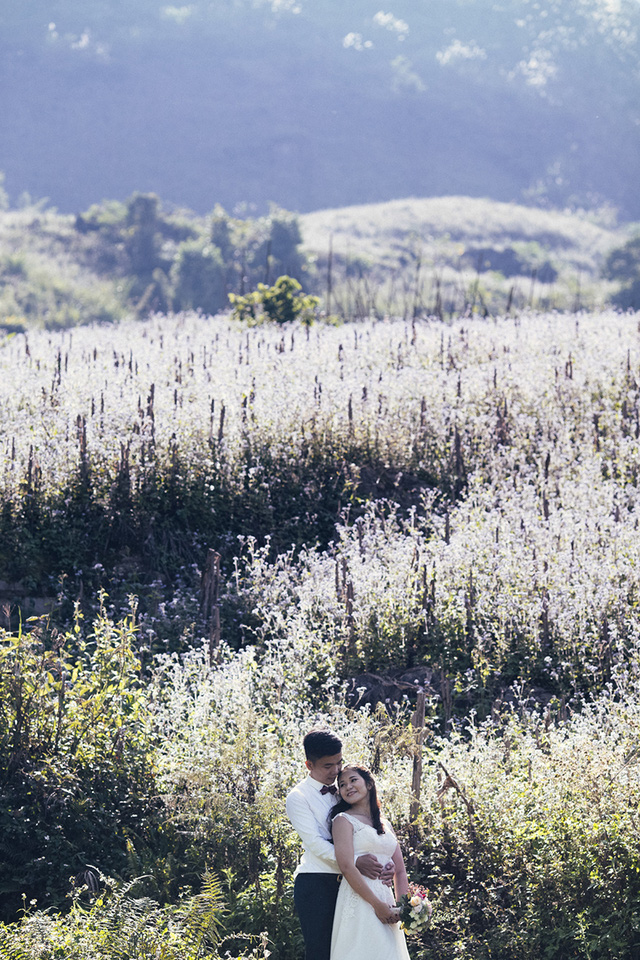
(321, 103)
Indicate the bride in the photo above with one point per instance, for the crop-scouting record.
(366, 918)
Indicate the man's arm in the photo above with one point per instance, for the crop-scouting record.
(308, 829)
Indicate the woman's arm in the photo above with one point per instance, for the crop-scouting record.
(401, 882)
(343, 842)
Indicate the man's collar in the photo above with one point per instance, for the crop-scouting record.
(316, 784)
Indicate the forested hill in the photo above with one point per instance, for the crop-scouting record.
(319, 103)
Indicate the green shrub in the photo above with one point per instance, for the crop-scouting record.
(528, 845)
(281, 303)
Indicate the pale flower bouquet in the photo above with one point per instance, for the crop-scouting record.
(415, 909)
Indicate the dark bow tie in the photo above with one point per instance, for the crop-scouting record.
(328, 790)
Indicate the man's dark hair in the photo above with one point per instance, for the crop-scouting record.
(321, 743)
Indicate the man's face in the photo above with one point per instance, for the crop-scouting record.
(325, 769)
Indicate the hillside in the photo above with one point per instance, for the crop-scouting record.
(321, 104)
(58, 271)
(444, 227)
(459, 254)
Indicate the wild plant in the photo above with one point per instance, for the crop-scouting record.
(76, 756)
(115, 921)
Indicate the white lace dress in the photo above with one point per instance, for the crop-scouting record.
(357, 932)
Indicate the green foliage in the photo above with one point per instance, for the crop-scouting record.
(33, 291)
(114, 924)
(75, 751)
(142, 234)
(198, 275)
(396, 259)
(525, 837)
(170, 261)
(455, 504)
(278, 253)
(109, 216)
(529, 848)
(623, 264)
(281, 303)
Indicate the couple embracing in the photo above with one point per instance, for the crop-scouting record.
(351, 860)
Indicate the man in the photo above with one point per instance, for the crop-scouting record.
(317, 875)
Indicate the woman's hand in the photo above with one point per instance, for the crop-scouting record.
(386, 913)
(388, 873)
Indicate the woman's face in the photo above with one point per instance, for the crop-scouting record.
(352, 786)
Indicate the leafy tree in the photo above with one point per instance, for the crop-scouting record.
(157, 295)
(198, 274)
(269, 247)
(284, 242)
(142, 234)
(623, 263)
(221, 233)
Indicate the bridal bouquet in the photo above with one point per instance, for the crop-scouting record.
(415, 909)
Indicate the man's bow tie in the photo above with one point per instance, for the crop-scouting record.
(328, 790)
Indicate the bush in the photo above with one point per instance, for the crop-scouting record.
(527, 845)
(281, 303)
(623, 264)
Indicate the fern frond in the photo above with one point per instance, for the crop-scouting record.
(202, 916)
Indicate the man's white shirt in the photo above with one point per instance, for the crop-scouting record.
(308, 810)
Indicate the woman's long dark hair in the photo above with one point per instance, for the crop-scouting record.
(374, 804)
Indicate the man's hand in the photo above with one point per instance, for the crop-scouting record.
(369, 866)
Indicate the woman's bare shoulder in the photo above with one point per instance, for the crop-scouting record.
(343, 818)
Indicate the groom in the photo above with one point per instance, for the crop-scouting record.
(317, 877)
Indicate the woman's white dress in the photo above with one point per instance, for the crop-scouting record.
(357, 932)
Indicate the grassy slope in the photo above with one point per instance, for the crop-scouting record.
(444, 234)
(46, 272)
(443, 225)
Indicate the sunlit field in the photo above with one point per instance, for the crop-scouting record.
(450, 508)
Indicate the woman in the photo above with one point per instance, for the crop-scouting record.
(365, 925)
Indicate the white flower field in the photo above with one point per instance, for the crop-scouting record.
(450, 507)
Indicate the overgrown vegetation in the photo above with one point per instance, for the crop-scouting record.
(135, 258)
(318, 522)
(623, 264)
(401, 259)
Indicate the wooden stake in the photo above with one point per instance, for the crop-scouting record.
(209, 601)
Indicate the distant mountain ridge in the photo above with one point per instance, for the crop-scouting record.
(317, 104)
